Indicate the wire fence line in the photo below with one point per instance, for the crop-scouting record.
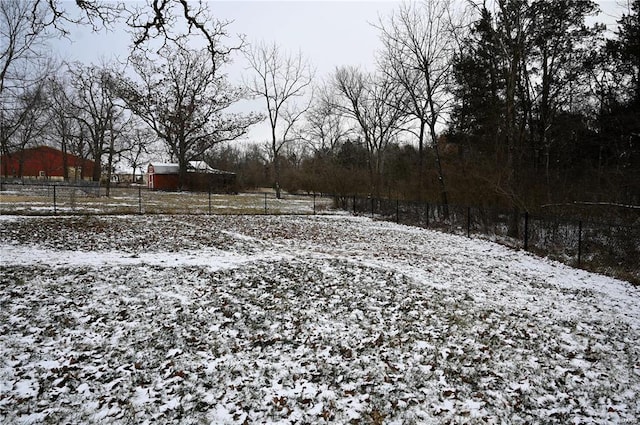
(607, 247)
(69, 199)
(611, 247)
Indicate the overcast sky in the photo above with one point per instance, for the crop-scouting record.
(328, 33)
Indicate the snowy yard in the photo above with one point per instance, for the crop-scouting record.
(302, 319)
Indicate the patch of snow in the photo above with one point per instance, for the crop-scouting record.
(294, 319)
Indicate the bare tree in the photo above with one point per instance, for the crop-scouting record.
(98, 111)
(148, 21)
(22, 39)
(372, 102)
(325, 127)
(32, 125)
(184, 99)
(157, 20)
(139, 143)
(23, 63)
(62, 114)
(325, 131)
(282, 81)
(418, 51)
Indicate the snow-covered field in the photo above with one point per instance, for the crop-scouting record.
(302, 319)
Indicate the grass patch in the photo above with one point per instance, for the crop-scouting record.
(128, 201)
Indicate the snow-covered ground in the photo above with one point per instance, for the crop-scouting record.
(302, 319)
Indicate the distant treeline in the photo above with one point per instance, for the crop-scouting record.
(514, 104)
(536, 110)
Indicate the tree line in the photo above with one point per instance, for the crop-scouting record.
(511, 103)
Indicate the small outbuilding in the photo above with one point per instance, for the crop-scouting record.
(200, 178)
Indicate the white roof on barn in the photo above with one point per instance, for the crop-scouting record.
(167, 168)
(192, 167)
(200, 167)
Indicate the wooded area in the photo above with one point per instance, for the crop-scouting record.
(512, 104)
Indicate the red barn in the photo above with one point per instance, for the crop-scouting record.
(163, 176)
(45, 163)
(200, 178)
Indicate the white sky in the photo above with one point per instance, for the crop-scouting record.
(328, 33)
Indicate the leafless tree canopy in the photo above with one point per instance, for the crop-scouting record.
(98, 111)
(282, 81)
(65, 130)
(23, 65)
(372, 102)
(157, 20)
(325, 127)
(182, 97)
(419, 41)
(150, 21)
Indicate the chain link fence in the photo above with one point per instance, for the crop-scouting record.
(609, 247)
(68, 199)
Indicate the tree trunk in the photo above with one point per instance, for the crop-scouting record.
(109, 168)
(421, 161)
(65, 162)
(276, 172)
(276, 161)
(21, 165)
(182, 173)
(443, 187)
(97, 168)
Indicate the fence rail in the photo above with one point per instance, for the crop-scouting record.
(607, 247)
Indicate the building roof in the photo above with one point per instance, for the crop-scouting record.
(167, 168)
(44, 161)
(192, 167)
(34, 151)
(200, 167)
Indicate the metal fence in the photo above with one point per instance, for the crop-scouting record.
(607, 247)
(66, 199)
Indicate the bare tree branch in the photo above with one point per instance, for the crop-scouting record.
(418, 51)
(184, 100)
(282, 81)
(371, 101)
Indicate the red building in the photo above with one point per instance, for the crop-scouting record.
(200, 178)
(45, 163)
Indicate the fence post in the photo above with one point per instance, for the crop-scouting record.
(397, 211)
(265, 203)
(526, 231)
(209, 200)
(579, 242)
(314, 204)
(55, 207)
(468, 222)
(372, 208)
(140, 200)
(354, 204)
